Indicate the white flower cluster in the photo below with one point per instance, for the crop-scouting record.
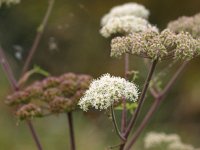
(126, 24)
(128, 9)
(8, 2)
(170, 141)
(107, 90)
(125, 19)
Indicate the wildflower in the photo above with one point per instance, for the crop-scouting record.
(107, 90)
(125, 19)
(153, 45)
(53, 94)
(128, 9)
(186, 24)
(125, 25)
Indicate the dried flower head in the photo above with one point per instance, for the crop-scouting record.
(187, 24)
(125, 25)
(9, 2)
(153, 45)
(128, 9)
(51, 95)
(106, 90)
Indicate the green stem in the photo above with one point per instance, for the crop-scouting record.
(115, 124)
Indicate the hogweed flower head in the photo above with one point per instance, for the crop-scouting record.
(187, 24)
(125, 19)
(154, 45)
(51, 95)
(125, 25)
(127, 9)
(107, 90)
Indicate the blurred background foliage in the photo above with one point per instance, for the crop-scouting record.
(72, 43)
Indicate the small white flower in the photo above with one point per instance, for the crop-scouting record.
(128, 9)
(106, 90)
(125, 25)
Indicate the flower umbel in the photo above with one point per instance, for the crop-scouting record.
(49, 96)
(125, 19)
(107, 90)
(187, 24)
(128, 9)
(125, 25)
(153, 45)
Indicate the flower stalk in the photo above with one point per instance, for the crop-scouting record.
(71, 131)
(155, 105)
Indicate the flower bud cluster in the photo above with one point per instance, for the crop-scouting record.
(154, 45)
(187, 24)
(107, 90)
(51, 95)
(125, 19)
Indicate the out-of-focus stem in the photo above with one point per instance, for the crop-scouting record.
(15, 87)
(35, 137)
(8, 70)
(71, 131)
(38, 36)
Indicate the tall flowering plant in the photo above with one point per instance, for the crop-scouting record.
(131, 34)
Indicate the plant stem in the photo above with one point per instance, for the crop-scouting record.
(115, 124)
(35, 137)
(7, 69)
(155, 105)
(142, 97)
(173, 79)
(15, 87)
(143, 124)
(124, 110)
(71, 131)
(141, 101)
(38, 36)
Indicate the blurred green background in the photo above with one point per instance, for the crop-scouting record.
(72, 43)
